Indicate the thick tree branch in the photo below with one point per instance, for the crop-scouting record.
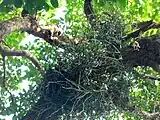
(25, 24)
(50, 34)
(15, 24)
(89, 12)
(147, 55)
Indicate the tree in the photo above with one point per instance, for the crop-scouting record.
(89, 75)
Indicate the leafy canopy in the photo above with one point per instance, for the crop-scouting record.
(142, 94)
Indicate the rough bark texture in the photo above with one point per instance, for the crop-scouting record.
(25, 24)
(29, 24)
(13, 25)
(147, 55)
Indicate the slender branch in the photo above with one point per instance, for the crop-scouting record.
(150, 116)
(4, 70)
(152, 77)
(21, 53)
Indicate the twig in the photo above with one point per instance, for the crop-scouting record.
(151, 77)
(4, 70)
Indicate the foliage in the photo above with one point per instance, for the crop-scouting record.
(30, 5)
(93, 60)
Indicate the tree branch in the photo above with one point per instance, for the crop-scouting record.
(24, 53)
(150, 116)
(25, 24)
(4, 70)
(89, 12)
(147, 55)
(50, 34)
(143, 26)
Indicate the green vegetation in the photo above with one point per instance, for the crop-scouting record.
(98, 84)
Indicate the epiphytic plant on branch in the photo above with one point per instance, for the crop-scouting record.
(91, 76)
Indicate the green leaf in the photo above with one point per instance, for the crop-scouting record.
(54, 3)
(18, 3)
(1, 1)
(123, 3)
